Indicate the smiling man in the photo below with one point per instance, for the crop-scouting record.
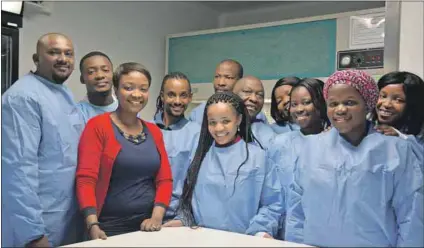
(41, 127)
(180, 135)
(96, 73)
(227, 72)
(251, 90)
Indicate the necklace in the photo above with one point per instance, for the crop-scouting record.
(136, 139)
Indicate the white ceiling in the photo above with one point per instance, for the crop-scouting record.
(230, 6)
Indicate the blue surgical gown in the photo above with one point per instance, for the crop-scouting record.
(196, 114)
(279, 156)
(89, 110)
(284, 128)
(420, 139)
(262, 116)
(418, 147)
(41, 127)
(263, 132)
(256, 204)
(370, 195)
(181, 141)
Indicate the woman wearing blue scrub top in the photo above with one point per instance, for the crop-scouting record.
(354, 186)
(399, 110)
(400, 103)
(230, 185)
(308, 110)
(280, 101)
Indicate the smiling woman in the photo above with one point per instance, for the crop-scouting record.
(226, 168)
(307, 106)
(350, 96)
(309, 112)
(280, 99)
(400, 103)
(353, 177)
(124, 180)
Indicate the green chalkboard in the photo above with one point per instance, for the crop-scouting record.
(303, 49)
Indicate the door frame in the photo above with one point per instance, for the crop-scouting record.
(14, 34)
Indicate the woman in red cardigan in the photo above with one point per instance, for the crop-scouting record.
(123, 179)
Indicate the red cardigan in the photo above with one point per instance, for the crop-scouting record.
(97, 151)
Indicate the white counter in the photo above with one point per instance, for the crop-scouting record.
(186, 237)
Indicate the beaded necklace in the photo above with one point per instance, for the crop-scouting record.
(136, 139)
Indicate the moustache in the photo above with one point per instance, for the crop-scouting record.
(61, 65)
(178, 106)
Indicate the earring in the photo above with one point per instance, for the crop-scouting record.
(238, 128)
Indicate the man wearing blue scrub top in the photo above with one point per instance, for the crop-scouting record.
(97, 73)
(180, 135)
(41, 127)
(226, 75)
(251, 91)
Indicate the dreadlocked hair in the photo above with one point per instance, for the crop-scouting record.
(172, 75)
(185, 207)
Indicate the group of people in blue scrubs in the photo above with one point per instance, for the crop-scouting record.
(347, 185)
(342, 165)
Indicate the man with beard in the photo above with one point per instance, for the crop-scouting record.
(41, 127)
(96, 73)
(226, 75)
(180, 135)
(251, 91)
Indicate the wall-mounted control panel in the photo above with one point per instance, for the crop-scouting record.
(360, 59)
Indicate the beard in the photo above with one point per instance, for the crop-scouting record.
(59, 79)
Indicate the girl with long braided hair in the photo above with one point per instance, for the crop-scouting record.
(230, 185)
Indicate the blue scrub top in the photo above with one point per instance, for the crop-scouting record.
(41, 127)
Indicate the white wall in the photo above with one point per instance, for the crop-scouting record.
(411, 47)
(127, 31)
(293, 10)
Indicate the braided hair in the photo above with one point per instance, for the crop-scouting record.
(172, 75)
(205, 142)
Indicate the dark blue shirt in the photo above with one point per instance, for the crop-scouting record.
(131, 194)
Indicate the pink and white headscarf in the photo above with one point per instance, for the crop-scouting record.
(361, 81)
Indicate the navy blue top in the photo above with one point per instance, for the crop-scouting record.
(131, 194)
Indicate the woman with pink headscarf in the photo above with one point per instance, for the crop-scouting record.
(352, 185)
